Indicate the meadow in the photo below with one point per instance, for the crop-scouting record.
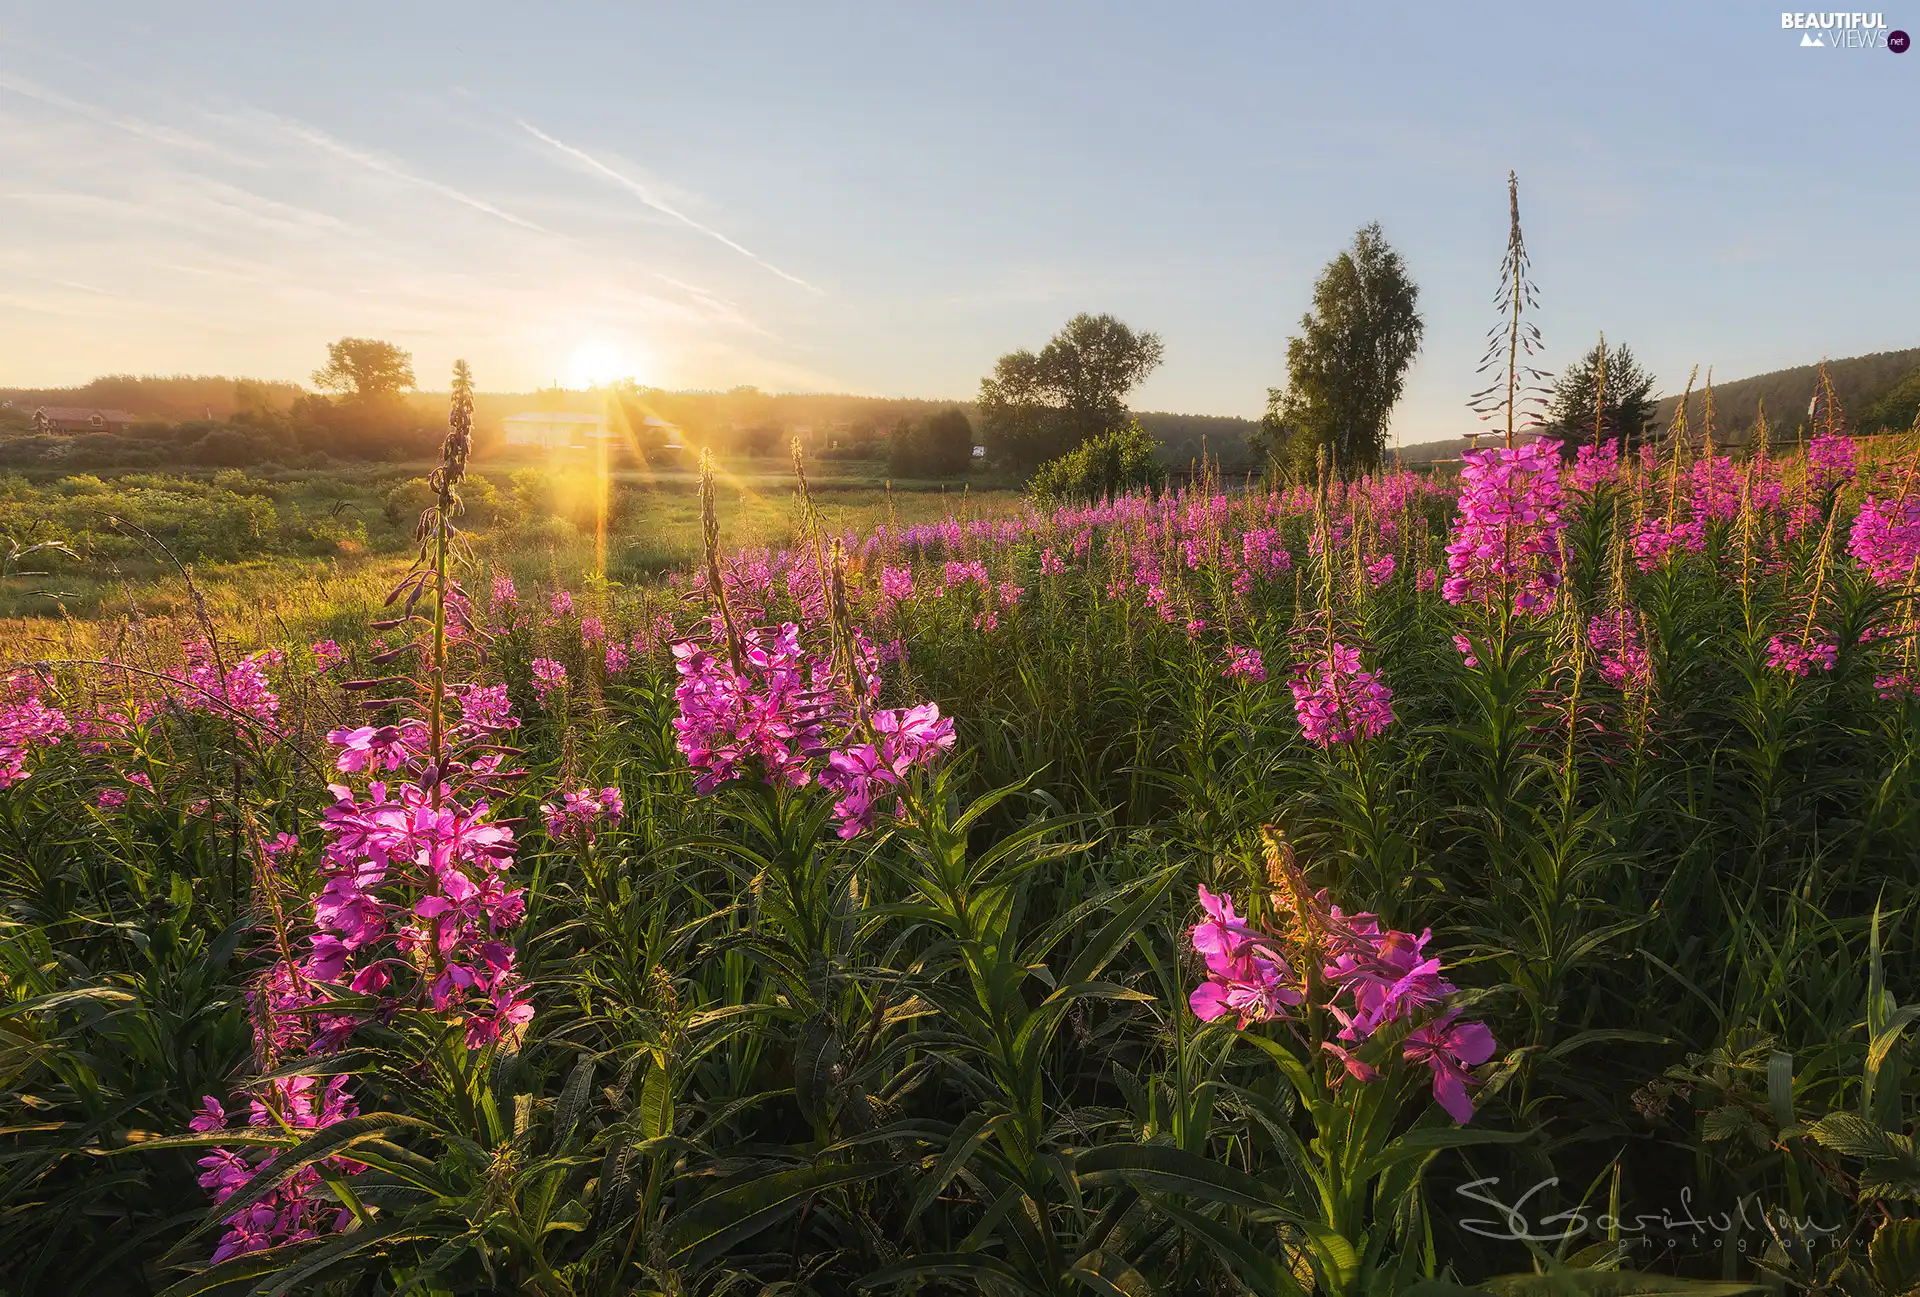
(1498, 881)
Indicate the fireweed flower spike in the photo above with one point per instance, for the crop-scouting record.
(1369, 978)
(1338, 702)
(414, 905)
(1506, 540)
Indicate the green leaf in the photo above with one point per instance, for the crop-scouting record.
(1427, 1140)
(1612, 1283)
(1895, 1253)
(985, 1273)
(656, 1103)
(1108, 1275)
(1264, 1274)
(721, 1219)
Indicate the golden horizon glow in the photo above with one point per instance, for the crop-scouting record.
(600, 361)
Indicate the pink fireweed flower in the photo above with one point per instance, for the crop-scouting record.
(1615, 637)
(1450, 1047)
(241, 690)
(1245, 665)
(1506, 540)
(1464, 647)
(549, 678)
(1897, 684)
(865, 775)
(1223, 933)
(1658, 538)
(1249, 986)
(1595, 466)
(573, 818)
(111, 799)
(593, 632)
(1387, 975)
(327, 654)
(1716, 489)
(298, 1208)
(1798, 657)
(486, 708)
(1381, 570)
(1426, 580)
(1338, 702)
(378, 747)
(561, 604)
(27, 725)
(1832, 461)
(1885, 539)
(617, 660)
(1050, 563)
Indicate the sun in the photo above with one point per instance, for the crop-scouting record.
(599, 361)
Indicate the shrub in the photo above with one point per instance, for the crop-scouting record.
(1117, 462)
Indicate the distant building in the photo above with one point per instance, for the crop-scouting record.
(669, 433)
(554, 430)
(78, 418)
(558, 430)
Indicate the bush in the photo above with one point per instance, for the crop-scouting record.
(1114, 463)
(941, 445)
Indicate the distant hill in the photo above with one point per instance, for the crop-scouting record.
(154, 396)
(1859, 381)
(1425, 452)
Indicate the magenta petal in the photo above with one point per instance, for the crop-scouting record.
(1471, 1043)
(1209, 1001)
(1450, 1092)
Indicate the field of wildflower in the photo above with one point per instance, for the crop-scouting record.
(1492, 881)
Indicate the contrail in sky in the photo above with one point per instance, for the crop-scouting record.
(654, 201)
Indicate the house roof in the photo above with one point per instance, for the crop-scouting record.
(559, 416)
(83, 413)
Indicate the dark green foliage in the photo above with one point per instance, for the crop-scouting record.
(1897, 409)
(938, 446)
(1122, 461)
(1346, 370)
(1036, 407)
(955, 1056)
(1625, 412)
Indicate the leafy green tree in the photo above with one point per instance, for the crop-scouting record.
(1625, 410)
(1036, 407)
(1114, 463)
(365, 368)
(1346, 369)
(940, 445)
(1896, 410)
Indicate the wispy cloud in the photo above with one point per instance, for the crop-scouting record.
(149, 131)
(652, 199)
(393, 169)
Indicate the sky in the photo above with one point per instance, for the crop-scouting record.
(883, 198)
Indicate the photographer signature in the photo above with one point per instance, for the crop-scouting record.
(1514, 1225)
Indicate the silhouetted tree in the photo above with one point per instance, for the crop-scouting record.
(1036, 407)
(1625, 409)
(940, 445)
(365, 369)
(1347, 368)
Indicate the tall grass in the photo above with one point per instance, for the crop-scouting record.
(953, 1052)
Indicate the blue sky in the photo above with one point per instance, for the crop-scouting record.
(883, 198)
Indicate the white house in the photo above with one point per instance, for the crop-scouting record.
(556, 430)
